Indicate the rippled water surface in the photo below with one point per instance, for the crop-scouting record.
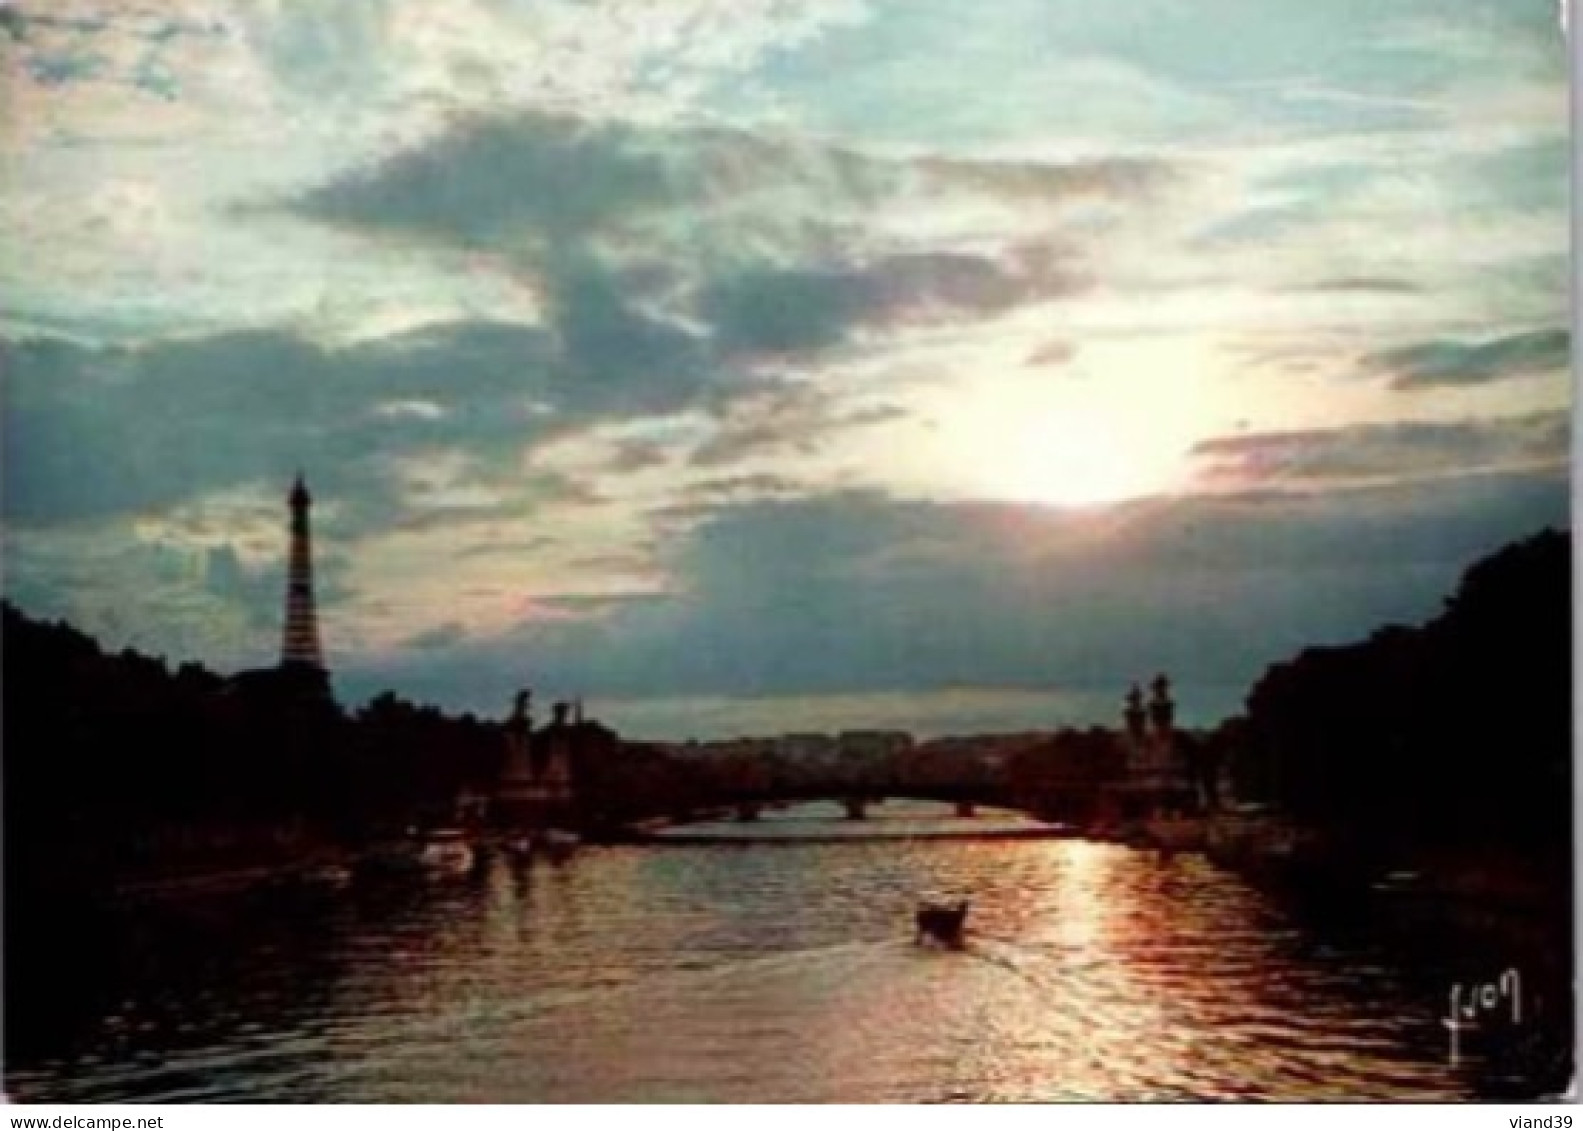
(765, 972)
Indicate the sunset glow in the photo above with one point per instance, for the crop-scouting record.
(587, 326)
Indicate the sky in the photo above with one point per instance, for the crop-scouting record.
(745, 366)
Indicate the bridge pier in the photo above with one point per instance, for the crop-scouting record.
(856, 809)
(966, 809)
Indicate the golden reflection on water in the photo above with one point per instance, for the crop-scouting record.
(787, 972)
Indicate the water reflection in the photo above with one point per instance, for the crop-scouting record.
(776, 972)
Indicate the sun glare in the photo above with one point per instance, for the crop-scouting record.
(1071, 443)
(1045, 461)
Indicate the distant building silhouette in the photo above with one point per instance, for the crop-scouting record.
(300, 638)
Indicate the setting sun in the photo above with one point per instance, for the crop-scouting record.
(1076, 441)
(1079, 463)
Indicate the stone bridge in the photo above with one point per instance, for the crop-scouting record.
(747, 801)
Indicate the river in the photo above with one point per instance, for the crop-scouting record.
(754, 972)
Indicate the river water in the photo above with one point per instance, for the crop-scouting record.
(754, 972)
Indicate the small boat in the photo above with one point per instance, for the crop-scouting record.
(945, 923)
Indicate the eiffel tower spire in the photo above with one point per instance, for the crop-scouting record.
(300, 640)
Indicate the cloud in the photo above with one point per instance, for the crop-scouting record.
(783, 416)
(636, 455)
(713, 492)
(1052, 354)
(857, 593)
(443, 636)
(499, 547)
(1315, 458)
(528, 494)
(618, 57)
(772, 244)
(1439, 363)
(720, 262)
(517, 177)
(139, 96)
(490, 179)
(93, 432)
(796, 310)
(491, 269)
(1360, 284)
(166, 592)
(133, 48)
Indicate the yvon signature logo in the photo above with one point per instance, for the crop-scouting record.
(1469, 1005)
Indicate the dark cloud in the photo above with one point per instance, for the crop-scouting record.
(1442, 363)
(93, 432)
(786, 311)
(755, 486)
(636, 455)
(780, 416)
(750, 235)
(1395, 450)
(614, 356)
(493, 181)
(856, 593)
(678, 265)
(874, 414)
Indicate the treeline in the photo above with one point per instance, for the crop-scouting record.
(1072, 775)
(1455, 733)
(117, 762)
(114, 760)
(1066, 777)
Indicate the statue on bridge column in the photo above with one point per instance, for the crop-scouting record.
(552, 758)
(521, 720)
(1135, 715)
(535, 789)
(514, 792)
(1155, 781)
(1169, 775)
(1162, 710)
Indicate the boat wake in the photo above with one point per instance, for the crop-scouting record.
(1045, 971)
